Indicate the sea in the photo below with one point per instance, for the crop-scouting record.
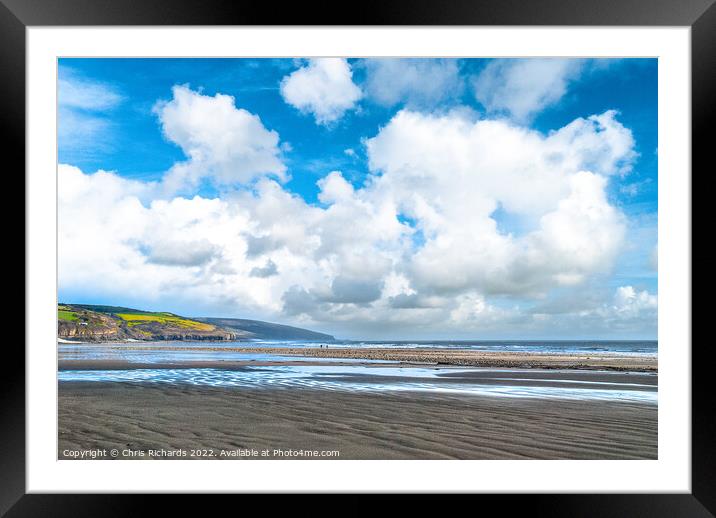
(620, 347)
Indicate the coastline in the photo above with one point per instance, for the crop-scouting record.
(435, 356)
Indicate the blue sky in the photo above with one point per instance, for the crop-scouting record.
(359, 118)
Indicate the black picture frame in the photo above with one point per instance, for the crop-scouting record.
(700, 15)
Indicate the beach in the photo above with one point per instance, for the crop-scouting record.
(195, 400)
(137, 417)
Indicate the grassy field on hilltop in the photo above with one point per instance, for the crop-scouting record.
(136, 317)
(66, 315)
(169, 319)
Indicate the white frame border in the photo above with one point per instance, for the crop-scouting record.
(670, 473)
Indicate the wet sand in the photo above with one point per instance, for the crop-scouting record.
(616, 380)
(465, 357)
(136, 416)
(122, 364)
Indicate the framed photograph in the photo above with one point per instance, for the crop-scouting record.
(433, 250)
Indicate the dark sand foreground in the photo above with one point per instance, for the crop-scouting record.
(134, 416)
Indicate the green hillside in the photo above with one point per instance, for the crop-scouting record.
(100, 323)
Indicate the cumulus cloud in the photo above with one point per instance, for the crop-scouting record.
(575, 232)
(417, 247)
(523, 169)
(627, 311)
(416, 82)
(628, 302)
(323, 87)
(223, 143)
(523, 87)
(180, 249)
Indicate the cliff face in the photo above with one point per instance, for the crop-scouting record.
(65, 330)
(88, 325)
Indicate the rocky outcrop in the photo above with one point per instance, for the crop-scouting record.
(216, 336)
(65, 330)
(88, 325)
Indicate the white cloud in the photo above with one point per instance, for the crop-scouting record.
(417, 248)
(226, 144)
(523, 87)
(76, 130)
(74, 91)
(334, 188)
(629, 302)
(449, 174)
(416, 82)
(627, 312)
(83, 105)
(323, 87)
(522, 169)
